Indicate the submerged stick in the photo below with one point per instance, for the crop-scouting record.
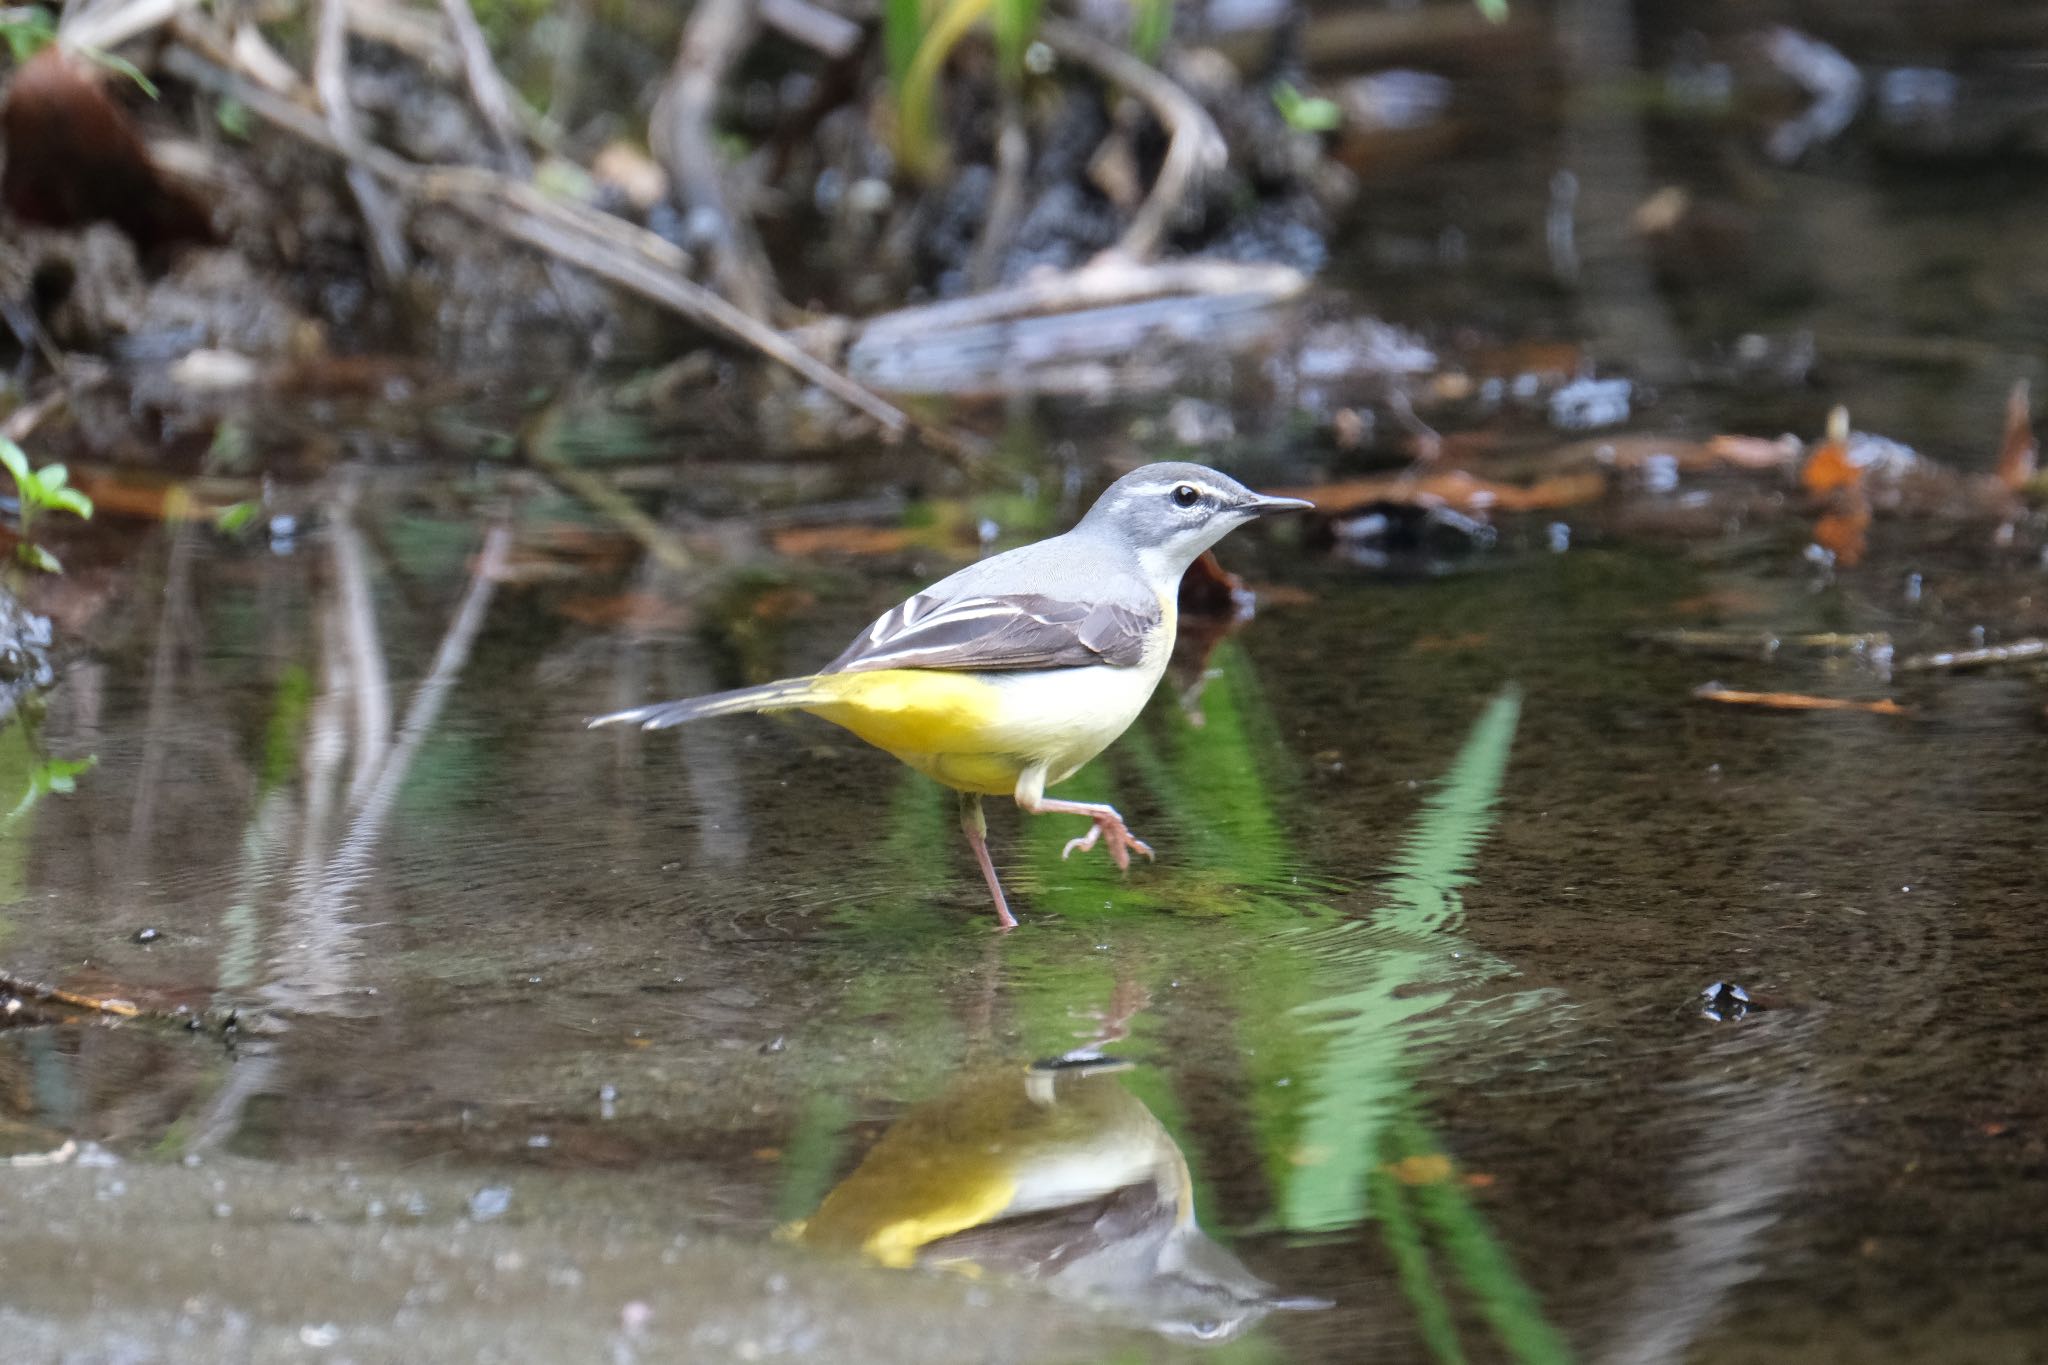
(1196, 148)
(1796, 701)
(2018, 652)
(36, 990)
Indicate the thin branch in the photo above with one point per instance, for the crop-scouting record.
(330, 79)
(1006, 203)
(1196, 148)
(679, 131)
(486, 87)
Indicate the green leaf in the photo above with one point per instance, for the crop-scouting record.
(28, 32)
(1151, 22)
(1496, 11)
(16, 461)
(234, 119)
(1305, 113)
(52, 476)
(120, 66)
(68, 500)
(36, 557)
(236, 518)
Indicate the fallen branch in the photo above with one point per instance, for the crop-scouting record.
(1796, 701)
(1196, 148)
(628, 256)
(2019, 651)
(679, 132)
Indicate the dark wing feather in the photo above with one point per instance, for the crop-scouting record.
(1005, 632)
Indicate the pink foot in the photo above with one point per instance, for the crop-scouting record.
(1109, 826)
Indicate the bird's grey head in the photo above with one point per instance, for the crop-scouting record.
(1170, 512)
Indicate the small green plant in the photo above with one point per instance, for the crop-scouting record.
(40, 490)
(28, 31)
(1305, 113)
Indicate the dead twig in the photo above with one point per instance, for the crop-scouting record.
(679, 132)
(98, 28)
(36, 990)
(1006, 204)
(1796, 701)
(330, 79)
(628, 256)
(831, 35)
(1196, 148)
(2018, 652)
(487, 89)
(537, 444)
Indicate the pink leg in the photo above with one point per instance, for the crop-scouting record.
(975, 826)
(1108, 826)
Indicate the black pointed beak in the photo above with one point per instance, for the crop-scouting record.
(1261, 505)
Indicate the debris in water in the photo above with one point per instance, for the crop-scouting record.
(2018, 453)
(492, 1201)
(1795, 701)
(2019, 651)
(1724, 1002)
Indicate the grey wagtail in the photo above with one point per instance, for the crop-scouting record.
(1006, 677)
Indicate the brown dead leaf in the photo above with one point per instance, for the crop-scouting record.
(1828, 469)
(2018, 454)
(141, 497)
(799, 542)
(636, 611)
(1458, 490)
(1796, 701)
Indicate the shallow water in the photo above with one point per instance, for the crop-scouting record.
(512, 1041)
(1414, 988)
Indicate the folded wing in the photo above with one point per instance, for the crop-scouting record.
(994, 633)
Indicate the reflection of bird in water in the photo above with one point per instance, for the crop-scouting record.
(1056, 1174)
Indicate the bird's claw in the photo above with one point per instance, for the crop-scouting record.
(1121, 841)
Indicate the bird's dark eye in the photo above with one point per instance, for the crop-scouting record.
(1187, 495)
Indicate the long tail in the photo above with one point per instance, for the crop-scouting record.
(789, 694)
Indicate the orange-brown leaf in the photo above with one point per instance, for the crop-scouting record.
(1459, 490)
(1844, 529)
(2018, 454)
(801, 541)
(1828, 469)
(1796, 701)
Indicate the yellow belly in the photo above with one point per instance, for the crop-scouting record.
(978, 732)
